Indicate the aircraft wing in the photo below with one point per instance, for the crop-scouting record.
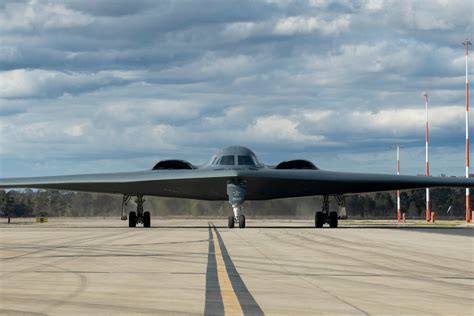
(194, 184)
(274, 184)
(208, 184)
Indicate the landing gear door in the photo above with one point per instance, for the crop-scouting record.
(341, 203)
(236, 193)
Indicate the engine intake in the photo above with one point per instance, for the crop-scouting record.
(296, 164)
(173, 165)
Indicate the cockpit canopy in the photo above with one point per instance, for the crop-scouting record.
(232, 160)
(234, 156)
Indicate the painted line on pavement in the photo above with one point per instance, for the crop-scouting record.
(235, 298)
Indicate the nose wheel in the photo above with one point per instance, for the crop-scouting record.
(231, 221)
(241, 221)
(237, 218)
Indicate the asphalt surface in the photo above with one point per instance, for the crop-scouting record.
(186, 266)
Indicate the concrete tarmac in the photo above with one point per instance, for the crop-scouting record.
(189, 266)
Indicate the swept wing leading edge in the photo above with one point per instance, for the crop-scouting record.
(208, 184)
(171, 183)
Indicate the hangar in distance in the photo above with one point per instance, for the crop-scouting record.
(233, 174)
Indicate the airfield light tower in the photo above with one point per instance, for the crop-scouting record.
(427, 172)
(399, 213)
(466, 44)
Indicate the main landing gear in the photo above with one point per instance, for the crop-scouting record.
(324, 216)
(138, 217)
(236, 218)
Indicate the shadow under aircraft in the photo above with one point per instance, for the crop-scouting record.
(233, 174)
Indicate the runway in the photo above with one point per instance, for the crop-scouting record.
(189, 266)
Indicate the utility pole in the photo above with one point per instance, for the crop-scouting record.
(466, 44)
(427, 171)
(399, 213)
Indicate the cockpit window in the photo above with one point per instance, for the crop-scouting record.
(246, 161)
(227, 160)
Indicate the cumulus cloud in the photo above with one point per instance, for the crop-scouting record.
(37, 15)
(300, 24)
(38, 83)
(408, 122)
(279, 129)
(289, 25)
(106, 85)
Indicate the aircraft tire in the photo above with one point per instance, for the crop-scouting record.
(319, 220)
(333, 220)
(241, 221)
(146, 219)
(132, 219)
(230, 221)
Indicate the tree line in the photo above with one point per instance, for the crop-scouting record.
(23, 203)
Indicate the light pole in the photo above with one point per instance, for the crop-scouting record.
(427, 171)
(397, 146)
(466, 44)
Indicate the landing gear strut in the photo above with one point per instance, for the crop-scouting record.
(324, 216)
(125, 200)
(138, 217)
(236, 192)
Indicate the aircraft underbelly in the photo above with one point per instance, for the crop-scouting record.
(256, 188)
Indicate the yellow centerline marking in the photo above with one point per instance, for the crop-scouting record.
(229, 298)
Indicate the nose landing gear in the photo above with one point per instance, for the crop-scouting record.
(236, 191)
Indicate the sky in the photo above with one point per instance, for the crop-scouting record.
(109, 86)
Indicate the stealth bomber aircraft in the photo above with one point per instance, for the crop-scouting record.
(233, 174)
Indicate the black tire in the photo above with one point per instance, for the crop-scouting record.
(319, 220)
(132, 219)
(333, 219)
(241, 221)
(146, 219)
(230, 221)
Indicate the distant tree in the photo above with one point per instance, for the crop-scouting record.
(8, 202)
(372, 205)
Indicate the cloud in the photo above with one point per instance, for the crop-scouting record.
(75, 130)
(374, 5)
(300, 24)
(107, 85)
(113, 8)
(128, 113)
(279, 129)
(37, 83)
(37, 15)
(287, 26)
(407, 123)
